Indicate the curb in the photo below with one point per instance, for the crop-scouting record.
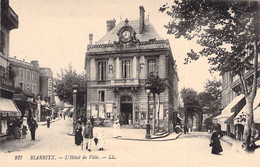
(150, 139)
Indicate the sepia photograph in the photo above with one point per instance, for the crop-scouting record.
(126, 83)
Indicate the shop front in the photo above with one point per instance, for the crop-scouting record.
(8, 110)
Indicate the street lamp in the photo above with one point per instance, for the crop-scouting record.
(148, 126)
(75, 89)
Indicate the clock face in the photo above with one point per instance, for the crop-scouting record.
(126, 35)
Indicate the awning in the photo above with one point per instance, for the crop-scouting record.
(7, 106)
(236, 100)
(225, 115)
(241, 116)
(257, 115)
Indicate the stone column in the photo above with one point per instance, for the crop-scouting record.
(134, 67)
(117, 68)
(93, 72)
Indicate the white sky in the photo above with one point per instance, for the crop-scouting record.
(55, 32)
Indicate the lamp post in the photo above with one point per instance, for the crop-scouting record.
(75, 89)
(148, 126)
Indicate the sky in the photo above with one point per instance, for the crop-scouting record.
(55, 32)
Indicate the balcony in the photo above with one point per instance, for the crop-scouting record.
(125, 82)
(6, 84)
(9, 17)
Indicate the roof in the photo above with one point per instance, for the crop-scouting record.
(149, 33)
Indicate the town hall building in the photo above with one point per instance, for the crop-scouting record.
(117, 67)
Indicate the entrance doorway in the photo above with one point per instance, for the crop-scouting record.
(126, 107)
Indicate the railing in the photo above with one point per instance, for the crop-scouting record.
(124, 82)
(11, 16)
(6, 83)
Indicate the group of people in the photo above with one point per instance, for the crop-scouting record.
(18, 130)
(14, 128)
(87, 133)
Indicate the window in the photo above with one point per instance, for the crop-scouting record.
(21, 85)
(102, 70)
(151, 66)
(126, 69)
(21, 73)
(2, 44)
(2, 71)
(28, 87)
(28, 74)
(34, 88)
(101, 96)
(33, 75)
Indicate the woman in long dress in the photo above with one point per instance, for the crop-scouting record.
(215, 142)
(78, 133)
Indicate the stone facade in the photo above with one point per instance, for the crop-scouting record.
(116, 68)
(27, 75)
(8, 22)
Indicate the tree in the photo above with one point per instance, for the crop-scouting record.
(64, 86)
(156, 85)
(191, 103)
(210, 98)
(228, 31)
(10, 72)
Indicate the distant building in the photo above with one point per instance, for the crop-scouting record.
(8, 109)
(34, 89)
(117, 67)
(46, 84)
(27, 84)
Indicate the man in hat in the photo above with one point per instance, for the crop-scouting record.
(88, 134)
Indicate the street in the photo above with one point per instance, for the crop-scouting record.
(54, 147)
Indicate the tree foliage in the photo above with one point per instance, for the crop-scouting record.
(157, 86)
(210, 98)
(191, 102)
(64, 86)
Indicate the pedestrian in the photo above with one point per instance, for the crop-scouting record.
(78, 133)
(92, 120)
(215, 142)
(24, 131)
(48, 118)
(33, 126)
(100, 139)
(10, 129)
(16, 129)
(116, 129)
(88, 135)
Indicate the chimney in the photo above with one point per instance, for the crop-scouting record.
(141, 20)
(110, 24)
(90, 39)
(35, 63)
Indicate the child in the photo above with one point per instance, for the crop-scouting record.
(24, 132)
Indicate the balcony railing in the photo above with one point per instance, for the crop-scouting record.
(6, 84)
(124, 82)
